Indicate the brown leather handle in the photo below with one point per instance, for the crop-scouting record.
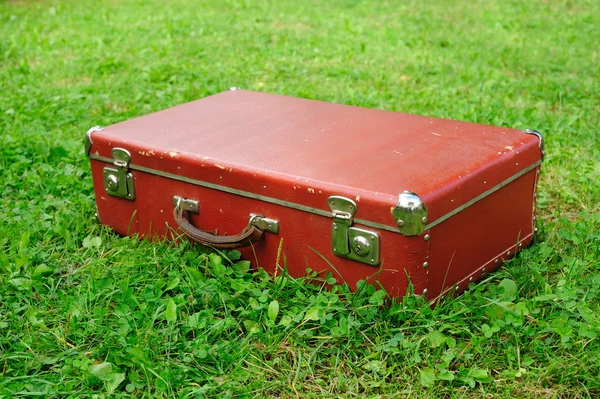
(247, 237)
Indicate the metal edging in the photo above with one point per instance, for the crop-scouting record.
(482, 195)
(310, 209)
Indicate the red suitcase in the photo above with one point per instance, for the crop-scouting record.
(300, 183)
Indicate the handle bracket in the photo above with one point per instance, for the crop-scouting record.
(187, 205)
(264, 224)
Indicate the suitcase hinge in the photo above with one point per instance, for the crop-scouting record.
(118, 181)
(351, 242)
(410, 214)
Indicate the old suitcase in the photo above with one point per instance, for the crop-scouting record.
(298, 183)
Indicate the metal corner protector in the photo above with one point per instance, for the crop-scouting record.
(88, 138)
(539, 135)
(410, 214)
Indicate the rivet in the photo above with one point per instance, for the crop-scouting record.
(496, 261)
(372, 260)
(483, 270)
(400, 223)
(335, 226)
(520, 245)
(457, 288)
(535, 230)
(424, 220)
(425, 291)
(334, 250)
(534, 218)
(425, 265)
(426, 238)
(508, 253)
(470, 279)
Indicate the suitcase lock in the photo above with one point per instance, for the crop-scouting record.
(351, 242)
(118, 181)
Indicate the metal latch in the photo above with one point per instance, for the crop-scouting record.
(118, 181)
(351, 242)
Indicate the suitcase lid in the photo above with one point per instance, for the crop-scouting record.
(297, 153)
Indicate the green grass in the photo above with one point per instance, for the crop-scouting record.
(84, 312)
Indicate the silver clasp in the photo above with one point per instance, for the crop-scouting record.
(351, 242)
(118, 181)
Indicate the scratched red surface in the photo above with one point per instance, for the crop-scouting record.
(303, 151)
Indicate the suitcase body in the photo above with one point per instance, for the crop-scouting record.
(365, 194)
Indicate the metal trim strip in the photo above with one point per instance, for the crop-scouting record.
(308, 209)
(482, 195)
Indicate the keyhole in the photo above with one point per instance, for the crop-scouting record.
(361, 246)
(113, 183)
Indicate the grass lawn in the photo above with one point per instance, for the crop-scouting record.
(85, 312)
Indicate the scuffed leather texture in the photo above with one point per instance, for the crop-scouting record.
(303, 151)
